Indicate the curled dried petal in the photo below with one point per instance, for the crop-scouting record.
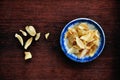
(28, 43)
(23, 32)
(19, 38)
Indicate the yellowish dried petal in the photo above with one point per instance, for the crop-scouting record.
(28, 43)
(23, 32)
(96, 42)
(89, 45)
(83, 26)
(71, 40)
(28, 55)
(80, 43)
(86, 37)
(47, 35)
(74, 49)
(37, 36)
(69, 44)
(83, 53)
(31, 30)
(97, 34)
(89, 53)
(19, 38)
(93, 49)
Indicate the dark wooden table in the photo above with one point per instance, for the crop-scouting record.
(49, 62)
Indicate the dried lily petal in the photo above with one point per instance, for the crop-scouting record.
(28, 43)
(47, 35)
(19, 38)
(31, 30)
(37, 36)
(83, 53)
(93, 49)
(28, 55)
(83, 26)
(74, 49)
(80, 43)
(86, 37)
(23, 32)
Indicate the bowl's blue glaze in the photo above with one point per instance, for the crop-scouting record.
(72, 56)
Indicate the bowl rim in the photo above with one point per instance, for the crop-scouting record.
(100, 48)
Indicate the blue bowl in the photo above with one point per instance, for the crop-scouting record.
(65, 48)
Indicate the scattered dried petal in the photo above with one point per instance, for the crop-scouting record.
(19, 38)
(47, 35)
(28, 55)
(23, 32)
(28, 43)
(31, 30)
(37, 36)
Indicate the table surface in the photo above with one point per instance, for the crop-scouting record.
(49, 62)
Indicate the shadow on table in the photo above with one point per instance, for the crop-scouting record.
(116, 65)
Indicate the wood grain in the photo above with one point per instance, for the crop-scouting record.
(49, 62)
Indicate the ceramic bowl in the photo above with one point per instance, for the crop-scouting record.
(64, 46)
